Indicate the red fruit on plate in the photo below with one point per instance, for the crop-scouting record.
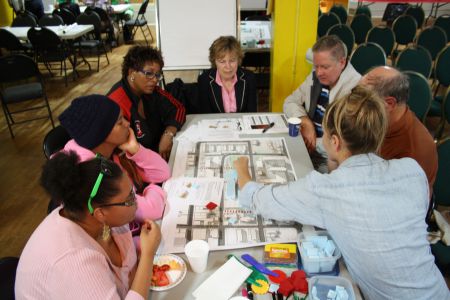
(164, 268)
(163, 280)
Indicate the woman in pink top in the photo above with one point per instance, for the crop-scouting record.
(226, 88)
(84, 249)
(97, 126)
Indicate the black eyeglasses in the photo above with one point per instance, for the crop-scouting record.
(131, 200)
(151, 75)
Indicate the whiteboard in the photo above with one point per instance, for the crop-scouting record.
(188, 28)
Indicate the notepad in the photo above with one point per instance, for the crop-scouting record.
(223, 283)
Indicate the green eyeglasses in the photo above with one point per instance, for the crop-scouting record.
(104, 170)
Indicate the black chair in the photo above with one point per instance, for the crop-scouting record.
(361, 24)
(260, 63)
(140, 22)
(55, 140)
(367, 56)
(15, 68)
(433, 39)
(186, 93)
(363, 10)
(50, 20)
(383, 36)
(94, 40)
(444, 23)
(404, 28)
(417, 13)
(419, 99)
(24, 20)
(107, 26)
(341, 12)
(325, 22)
(415, 58)
(8, 267)
(65, 14)
(11, 43)
(50, 49)
(345, 34)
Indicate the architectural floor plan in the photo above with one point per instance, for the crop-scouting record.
(206, 175)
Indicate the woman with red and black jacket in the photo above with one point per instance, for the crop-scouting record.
(154, 114)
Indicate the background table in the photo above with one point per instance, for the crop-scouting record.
(64, 32)
(302, 166)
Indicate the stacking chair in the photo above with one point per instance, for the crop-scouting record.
(326, 21)
(8, 267)
(419, 99)
(445, 118)
(11, 43)
(50, 20)
(441, 191)
(107, 26)
(341, 12)
(415, 58)
(383, 36)
(366, 56)
(140, 22)
(417, 13)
(361, 24)
(444, 23)
(442, 78)
(434, 39)
(55, 140)
(94, 40)
(345, 33)
(19, 67)
(404, 28)
(50, 49)
(65, 14)
(363, 10)
(24, 20)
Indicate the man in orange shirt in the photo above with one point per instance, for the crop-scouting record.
(406, 136)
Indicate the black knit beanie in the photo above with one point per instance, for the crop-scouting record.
(90, 119)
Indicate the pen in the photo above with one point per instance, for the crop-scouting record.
(268, 127)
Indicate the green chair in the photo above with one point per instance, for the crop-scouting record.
(419, 99)
(442, 78)
(326, 21)
(434, 39)
(345, 33)
(341, 12)
(417, 13)
(361, 24)
(404, 28)
(445, 114)
(415, 58)
(383, 36)
(363, 10)
(441, 191)
(444, 23)
(366, 56)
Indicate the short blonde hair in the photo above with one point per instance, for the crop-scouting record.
(359, 119)
(222, 45)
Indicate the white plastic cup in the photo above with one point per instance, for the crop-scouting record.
(294, 126)
(197, 253)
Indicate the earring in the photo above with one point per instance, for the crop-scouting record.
(132, 78)
(106, 234)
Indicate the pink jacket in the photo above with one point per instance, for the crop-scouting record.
(62, 261)
(152, 169)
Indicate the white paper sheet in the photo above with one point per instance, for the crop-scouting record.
(224, 282)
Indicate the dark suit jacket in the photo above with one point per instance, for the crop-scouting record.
(210, 93)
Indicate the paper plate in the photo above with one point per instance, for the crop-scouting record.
(175, 275)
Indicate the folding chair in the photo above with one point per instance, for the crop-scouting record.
(19, 67)
(140, 22)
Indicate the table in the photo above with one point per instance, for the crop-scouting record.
(117, 9)
(64, 32)
(302, 165)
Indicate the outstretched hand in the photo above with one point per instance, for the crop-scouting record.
(309, 134)
(241, 167)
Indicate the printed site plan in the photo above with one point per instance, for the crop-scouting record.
(203, 195)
